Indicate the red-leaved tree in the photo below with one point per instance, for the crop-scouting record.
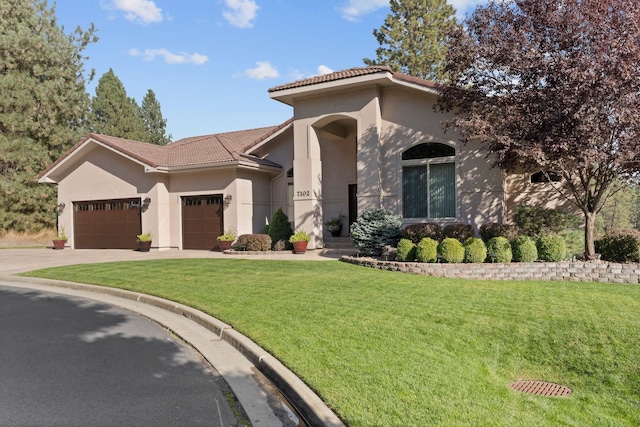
(552, 85)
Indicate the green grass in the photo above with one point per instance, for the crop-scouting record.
(391, 349)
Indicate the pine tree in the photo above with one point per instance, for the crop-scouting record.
(412, 39)
(113, 112)
(154, 124)
(43, 107)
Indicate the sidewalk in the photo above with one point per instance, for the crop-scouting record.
(255, 377)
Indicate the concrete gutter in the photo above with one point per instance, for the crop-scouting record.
(308, 404)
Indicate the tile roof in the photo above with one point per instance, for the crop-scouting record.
(353, 72)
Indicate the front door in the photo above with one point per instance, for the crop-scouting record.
(353, 203)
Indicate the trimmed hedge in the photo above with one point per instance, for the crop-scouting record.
(427, 250)
(536, 221)
(375, 229)
(475, 251)
(462, 232)
(451, 250)
(417, 232)
(524, 249)
(499, 249)
(488, 231)
(620, 246)
(551, 248)
(253, 242)
(406, 250)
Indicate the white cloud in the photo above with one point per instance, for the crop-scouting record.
(263, 70)
(465, 7)
(323, 69)
(170, 57)
(241, 13)
(353, 9)
(141, 11)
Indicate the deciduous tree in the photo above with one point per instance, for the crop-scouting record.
(553, 85)
(412, 39)
(43, 107)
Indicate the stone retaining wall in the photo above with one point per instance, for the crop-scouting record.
(579, 271)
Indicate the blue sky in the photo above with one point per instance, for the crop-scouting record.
(211, 62)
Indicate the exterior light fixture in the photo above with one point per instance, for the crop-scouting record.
(227, 199)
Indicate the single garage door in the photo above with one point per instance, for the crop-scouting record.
(106, 224)
(201, 221)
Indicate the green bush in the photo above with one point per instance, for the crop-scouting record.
(536, 221)
(406, 250)
(462, 232)
(253, 242)
(620, 246)
(551, 248)
(451, 250)
(494, 229)
(524, 249)
(374, 229)
(474, 250)
(279, 227)
(499, 249)
(427, 250)
(417, 232)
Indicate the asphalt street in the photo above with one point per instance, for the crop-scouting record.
(68, 361)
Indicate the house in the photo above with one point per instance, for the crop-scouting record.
(359, 137)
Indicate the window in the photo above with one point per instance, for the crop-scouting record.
(429, 181)
(548, 176)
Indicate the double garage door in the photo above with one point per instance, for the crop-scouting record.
(106, 224)
(115, 224)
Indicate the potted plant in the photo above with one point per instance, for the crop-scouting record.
(144, 242)
(334, 225)
(225, 240)
(60, 240)
(300, 240)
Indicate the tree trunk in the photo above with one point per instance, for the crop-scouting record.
(589, 232)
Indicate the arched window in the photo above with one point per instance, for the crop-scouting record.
(429, 181)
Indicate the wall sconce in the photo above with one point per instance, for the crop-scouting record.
(61, 206)
(227, 200)
(145, 203)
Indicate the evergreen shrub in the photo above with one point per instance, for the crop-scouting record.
(462, 232)
(406, 250)
(551, 248)
(495, 229)
(524, 249)
(427, 250)
(279, 227)
(253, 242)
(536, 221)
(451, 250)
(374, 229)
(620, 246)
(417, 232)
(475, 251)
(499, 249)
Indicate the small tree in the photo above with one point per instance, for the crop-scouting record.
(552, 85)
(374, 229)
(280, 228)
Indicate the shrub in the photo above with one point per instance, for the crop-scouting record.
(499, 249)
(406, 250)
(427, 250)
(474, 250)
(280, 245)
(551, 248)
(279, 227)
(462, 232)
(524, 249)
(488, 231)
(417, 232)
(451, 250)
(374, 229)
(536, 221)
(620, 246)
(253, 242)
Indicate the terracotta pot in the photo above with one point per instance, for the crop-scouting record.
(144, 246)
(59, 244)
(300, 247)
(224, 245)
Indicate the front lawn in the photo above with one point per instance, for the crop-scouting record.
(392, 349)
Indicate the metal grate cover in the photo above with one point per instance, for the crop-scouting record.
(541, 388)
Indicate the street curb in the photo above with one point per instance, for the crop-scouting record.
(309, 405)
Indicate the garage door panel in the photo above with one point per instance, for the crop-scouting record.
(202, 221)
(110, 224)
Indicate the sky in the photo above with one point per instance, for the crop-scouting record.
(210, 63)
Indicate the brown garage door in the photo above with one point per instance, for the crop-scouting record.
(106, 224)
(201, 221)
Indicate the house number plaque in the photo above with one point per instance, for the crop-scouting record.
(305, 193)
